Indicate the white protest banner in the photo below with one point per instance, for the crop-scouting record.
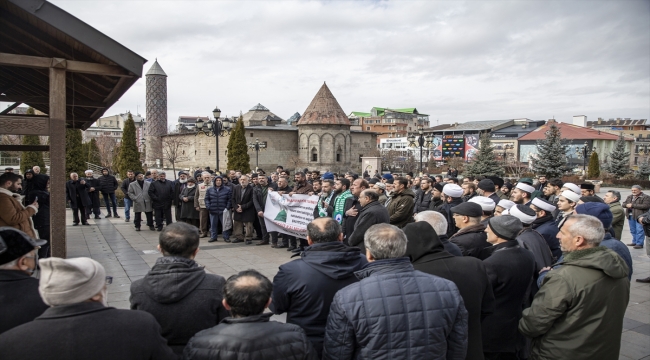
(289, 214)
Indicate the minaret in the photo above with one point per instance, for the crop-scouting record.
(156, 118)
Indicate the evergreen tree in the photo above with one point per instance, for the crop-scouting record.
(29, 159)
(238, 158)
(74, 162)
(485, 163)
(94, 157)
(619, 163)
(593, 171)
(129, 156)
(551, 153)
(644, 171)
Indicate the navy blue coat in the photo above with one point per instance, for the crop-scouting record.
(548, 229)
(218, 199)
(396, 312)
(305, 288)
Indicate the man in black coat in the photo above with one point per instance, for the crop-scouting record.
(93, 193)
(108, 185)
(161, 193)
(424, 196)
(179, 186)
(76, 192)
(243, 211)
(177, 291)
(429, 256)
(249, 333)
(79, 325)
(352, 207)
(545, 225)
(260, 193)
(20, 301)
(304, 288)
(510, 269)
(471, 238)
(372, 212)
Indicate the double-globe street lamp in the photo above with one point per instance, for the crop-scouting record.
(422, 141)
(217, 128)
(257, 146)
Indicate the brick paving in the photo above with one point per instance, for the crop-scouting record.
(128, 255)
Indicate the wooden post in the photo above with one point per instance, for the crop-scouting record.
(58, 176)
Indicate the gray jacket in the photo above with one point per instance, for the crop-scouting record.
(140, 197)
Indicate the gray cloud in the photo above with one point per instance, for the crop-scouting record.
(455, 60)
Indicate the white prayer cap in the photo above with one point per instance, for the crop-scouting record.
(543, 204)
(88, 171)
(570, 195)
(523, 213)
(573, 187)
(525, 187)
(506, 204)
(486, 203)
(452, 190)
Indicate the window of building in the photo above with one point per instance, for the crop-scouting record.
(338, 154)
(367, 127)
(314, 154)
(251, 135)
(209, 152)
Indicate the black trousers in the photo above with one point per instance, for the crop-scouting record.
(95, 208)
(159, 213)
(258, 227)
(273, 235)
(44, 234)
(76, 212)
(138, 219)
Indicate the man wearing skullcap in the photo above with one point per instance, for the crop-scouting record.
(79, 325)
(545, 224)
(587, 189)
(521, 194)
(452, 196)
(566, 203)
(503, 205)
(487, 205)
(573, 187)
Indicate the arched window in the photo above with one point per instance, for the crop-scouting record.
(209, 152)
(314, 154)
(339, 154)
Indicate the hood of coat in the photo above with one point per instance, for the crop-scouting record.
(598, 258)
(334, 259)
(422, 240)
(406, 192)
(172, 278)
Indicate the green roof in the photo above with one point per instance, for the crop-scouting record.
(361, 114)
(382, 111)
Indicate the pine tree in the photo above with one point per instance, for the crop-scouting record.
(94, 156)
(644, 170)
(129, 156)
(29, 159)
(551, 153)
(485, 163)
(619, 163)
(593, 171)
(74, 161)
(238, 158)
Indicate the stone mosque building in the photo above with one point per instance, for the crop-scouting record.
(320, 140)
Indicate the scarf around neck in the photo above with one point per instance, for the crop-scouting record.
(323, 212)
(339, 204)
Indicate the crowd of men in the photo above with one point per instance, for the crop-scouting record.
(392, 267)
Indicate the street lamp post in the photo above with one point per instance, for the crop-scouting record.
(422, 141)
(217, 128)
(584, 152)
(257, 146)
(505, 152)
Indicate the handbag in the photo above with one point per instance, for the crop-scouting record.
(227, 220)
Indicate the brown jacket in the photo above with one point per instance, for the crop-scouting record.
(15, 215)
(639, 205)
(305, 189)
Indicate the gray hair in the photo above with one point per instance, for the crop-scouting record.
(435, 219)
(10, 265)
(637, 187)
(385, 241)
(587, 226)
(615, 193)
(161, 173)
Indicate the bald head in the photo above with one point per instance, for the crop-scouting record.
(247, 293)
(322, 230)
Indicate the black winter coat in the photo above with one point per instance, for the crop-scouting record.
(423, 201)
(445, 209)
(304, 288)
(248, 213)
(349, 221)
(188, 211)
(161, 194)
(471, 240)
(20, 301)
(548, 229)
(429, 256)
(450, 247)
(178, 188)
(371, 214)
(182, 297)
(108, 184)
(252, 337)
(533, 241)
(395, 312)
(42, 217)
(94, 195)
(510, 269)
(72, 188)
(125, 187)
(87, 330)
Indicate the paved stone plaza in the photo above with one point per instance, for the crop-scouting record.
(128, 255)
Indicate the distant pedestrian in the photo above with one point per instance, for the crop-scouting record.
(108, 185)
(189, 214)
(93, 193)
(202, 187)
(613, 199)
(161, 193)
(179, 185)
(139, 194)
(77, 196)
(636, 205)
(249, 334)
(128, 203)
(217, 200)
(243, 211)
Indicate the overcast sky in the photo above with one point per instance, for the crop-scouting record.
(454, 60)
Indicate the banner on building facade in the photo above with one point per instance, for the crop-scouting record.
(471, 146)
(289, 214)
(453, 146)
(437, 148)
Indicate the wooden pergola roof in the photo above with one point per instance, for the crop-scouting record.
(35, 34)
(57, 64)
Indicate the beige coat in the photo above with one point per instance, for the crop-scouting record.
(15, 215)
(199, 198)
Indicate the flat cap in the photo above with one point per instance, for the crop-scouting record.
(468, 209)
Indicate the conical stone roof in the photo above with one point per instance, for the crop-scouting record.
(324, 110)
(156, 69)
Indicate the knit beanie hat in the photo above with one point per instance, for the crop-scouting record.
(506, 226)
(486, 185)
(70, 281)
(599, 210)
